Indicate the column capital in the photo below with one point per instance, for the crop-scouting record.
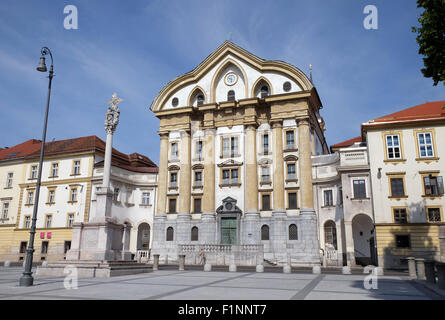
(251, 127)
(303, 121)
(164, 135)
(276, 124)
(209, 132)
(184, 133)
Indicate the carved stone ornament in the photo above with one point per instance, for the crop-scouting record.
(112, 115)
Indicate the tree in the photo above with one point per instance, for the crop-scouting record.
(431, 39)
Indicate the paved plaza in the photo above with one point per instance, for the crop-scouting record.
(217, 285)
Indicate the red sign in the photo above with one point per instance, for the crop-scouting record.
(42, 235)
(48, 235)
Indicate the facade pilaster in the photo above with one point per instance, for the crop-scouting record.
(162, 176)
(305, 164)
(278, 171)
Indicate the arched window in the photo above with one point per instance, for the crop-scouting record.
(330, 233)
(264, 91)
(265, 232)
(293, 232)
(169, 234)
(200, 99)
(195, 234)
(231, 95)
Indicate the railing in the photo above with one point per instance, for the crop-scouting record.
(219, 248)
(143, 254)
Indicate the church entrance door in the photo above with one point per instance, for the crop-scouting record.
(228, 230)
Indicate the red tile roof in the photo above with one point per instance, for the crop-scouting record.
(146, 169)
(21, 150)
(31, 149)
(428, 110)
(347, 143)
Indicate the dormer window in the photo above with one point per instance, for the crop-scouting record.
(264, 91)
(231, 95)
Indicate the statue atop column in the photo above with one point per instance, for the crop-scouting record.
(112, 115)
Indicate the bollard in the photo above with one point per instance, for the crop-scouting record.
(7, 264)
(260, 268)
(420, 264)
(44, 264)
(232, 267)
(430, 274)
(412, 267)
(155, 262)
(181, 262)
(316, 269)
(287, 268)
(440, 275)
(346, 270)
(207, 267)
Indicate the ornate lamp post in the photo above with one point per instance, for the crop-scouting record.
(27, 280)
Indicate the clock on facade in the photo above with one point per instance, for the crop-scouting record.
(230, 79)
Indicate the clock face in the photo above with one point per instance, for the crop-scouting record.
(231, 79)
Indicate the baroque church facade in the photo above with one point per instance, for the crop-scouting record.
(237, 137)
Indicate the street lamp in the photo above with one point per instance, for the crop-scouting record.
(27, 280)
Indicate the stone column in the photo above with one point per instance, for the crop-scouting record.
(208, 205)
(155, 262)
(162, 175)
(184, 180)
(278, 172)
(420, 263)
(181, 262)
(349, 237)
(305, 162)
(251, 171)
(107, 160)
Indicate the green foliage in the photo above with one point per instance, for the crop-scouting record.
(431, 39)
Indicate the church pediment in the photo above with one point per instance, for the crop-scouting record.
(229, 68)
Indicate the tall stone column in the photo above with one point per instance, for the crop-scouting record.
(349, 235)
(278, 172)
(208, 234)
(163, 175)
(251, 171)
(305, 162)
(184, 216)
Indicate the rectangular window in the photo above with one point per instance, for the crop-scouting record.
(51, 196)
(328, 199)
(234, 146)
(226, 147)
(34, 172)
(70, 220)
(173, 179)
(397, 189)
(234, 177)
(265, 175)
(393, 147)
(199, 149)
(73, 195)
(230, 176)
(9, 180)
(197, 205)
(174, 151)
(172, 205)
(291, 171)
(66, 246)
(292, 197)
(48, 221)
(400, 215)
(433, 185)
(76, 167)
(403, 241)
(359, 189)
(265, 199)
(290, 139)
(27, 223)
(434, 215)
(266, 144)
(44, 247)
(23, 246)
(146, 198)
(54, 170)
(226, 177)
(30, 199)
(5, 210)
(425, 145)
(116, 194)
(198, 178)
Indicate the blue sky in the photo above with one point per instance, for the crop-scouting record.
(136, 47)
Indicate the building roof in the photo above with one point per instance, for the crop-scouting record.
(345, 144)
(21, 150)
(428, 110)
(31, 149)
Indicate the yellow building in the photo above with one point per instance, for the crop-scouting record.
(407, 161)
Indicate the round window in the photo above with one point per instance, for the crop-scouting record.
(175, 102)
(287, 86)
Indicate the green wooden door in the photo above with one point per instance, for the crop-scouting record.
(228, 230)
